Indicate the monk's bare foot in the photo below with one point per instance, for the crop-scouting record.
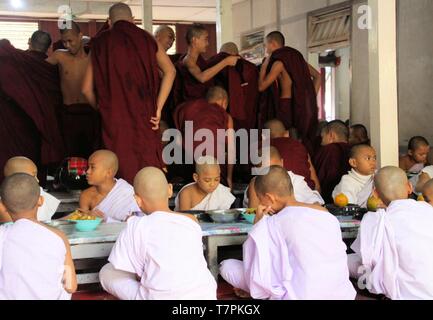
(241, 294)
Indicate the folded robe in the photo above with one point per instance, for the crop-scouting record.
(356, 187)
(127, 84)
(220, 199)
(119, 203)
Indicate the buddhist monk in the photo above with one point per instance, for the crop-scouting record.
(292, 86)
(393, 251)
(29, 99)
(210, 114)
(332, 159)
(294, 153)
(358, 135)
(294, 252)
(131, 102)
(194, 76)
(36, 260)
(80, 123)
(416, 157)
(427, 192)
(158, 256)
(165, 37)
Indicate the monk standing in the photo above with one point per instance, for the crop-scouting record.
(79, 122)
(293, 86)
(124, 70)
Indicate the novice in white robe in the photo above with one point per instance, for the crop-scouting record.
(220, 199)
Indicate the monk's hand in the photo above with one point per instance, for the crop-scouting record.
(262, 211)
(232, 60)
(156, 120)
(98, 213)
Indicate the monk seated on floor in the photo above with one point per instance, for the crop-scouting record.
(294, 153)
(357, 185)
(206, 193)
(417, 155)
(108, 197)
(25, 165)
(36, 261)
(393, 251)
(302, 192)
(158, 256)
(294, 252)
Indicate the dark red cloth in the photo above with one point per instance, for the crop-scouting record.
(285, 112)
(175, 57)
(241, 83)
(81, 130)
(331, 163)
(127, 84)
(304, 100)
(295, 157)
(31, 95)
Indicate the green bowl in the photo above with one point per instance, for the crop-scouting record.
(249, 217)
(87, 225)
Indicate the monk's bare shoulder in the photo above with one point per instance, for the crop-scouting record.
(86, 198)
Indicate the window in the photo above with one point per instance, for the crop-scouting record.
(18, 33)
(172, 50)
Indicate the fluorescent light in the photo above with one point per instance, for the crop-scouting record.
(17, 4)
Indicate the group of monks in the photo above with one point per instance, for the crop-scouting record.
(110, 101)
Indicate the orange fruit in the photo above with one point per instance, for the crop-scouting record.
(421, 198)
(373, 203)
(341, 200)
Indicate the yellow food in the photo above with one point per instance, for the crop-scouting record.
(250, 211)
(421, 198)
(77, 215)
(341, 200)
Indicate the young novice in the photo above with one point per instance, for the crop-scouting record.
(35, 260)
(25, 165)
(158, 256)
(416, 157)
(206, 193)
(108, 197)
(394, 244)
(357, 185)
(296, 254)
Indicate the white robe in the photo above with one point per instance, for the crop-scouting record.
(303, 193)
(429, 171)
(297, 254)
(32, 260)
(166, 251)
(356, 187)
(220, 199)
(49, 208)
(120, 203)
(395, 247)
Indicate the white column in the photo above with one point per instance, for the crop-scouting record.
(224, 22)
(382, 43)
(147, 17)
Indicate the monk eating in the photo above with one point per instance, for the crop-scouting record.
(109, 198)
(292, 86)
(25, 165)
(158, 256)
(294, 252)
(80, 124)
(417, 155)
(294, 153)
(131, 102)
(358, 135)
(393, 251)
(332, 159)
(206, 193)
(36, 261)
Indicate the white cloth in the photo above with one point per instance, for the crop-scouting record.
(220, 199)
(303, 193)
(32, 263)
(356, 187)
(428, 170)
(49, 208)
(416, 168)
(165, 250)
(297, 254)
(119, 203)
(395, 247)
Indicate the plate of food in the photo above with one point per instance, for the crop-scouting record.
(249, 215)
(225, 216)
(84, 221)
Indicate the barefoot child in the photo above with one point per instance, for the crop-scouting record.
(296, 254)
(206, 193)
(35, 260)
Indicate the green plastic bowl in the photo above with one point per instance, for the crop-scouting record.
(87, 225)
(249, 217)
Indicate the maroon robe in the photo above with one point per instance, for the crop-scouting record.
(127, 84)
(295, 157)
(242, 85)
(331, 163)
(304, 101)
(30, 97)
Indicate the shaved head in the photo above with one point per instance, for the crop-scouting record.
(151, 184)
(359, 134)
(339, 128)
(120, 11)
(195, 31)
(20, 193)
(277, 128)
(276, 182)
(230, 48)
(391, 184)
(203, 164)
(40, 41)
(20, 165)
(107, 158)
(278, 37)
(162, 29)
(358, 149)
(417, 142)
(216, 93)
